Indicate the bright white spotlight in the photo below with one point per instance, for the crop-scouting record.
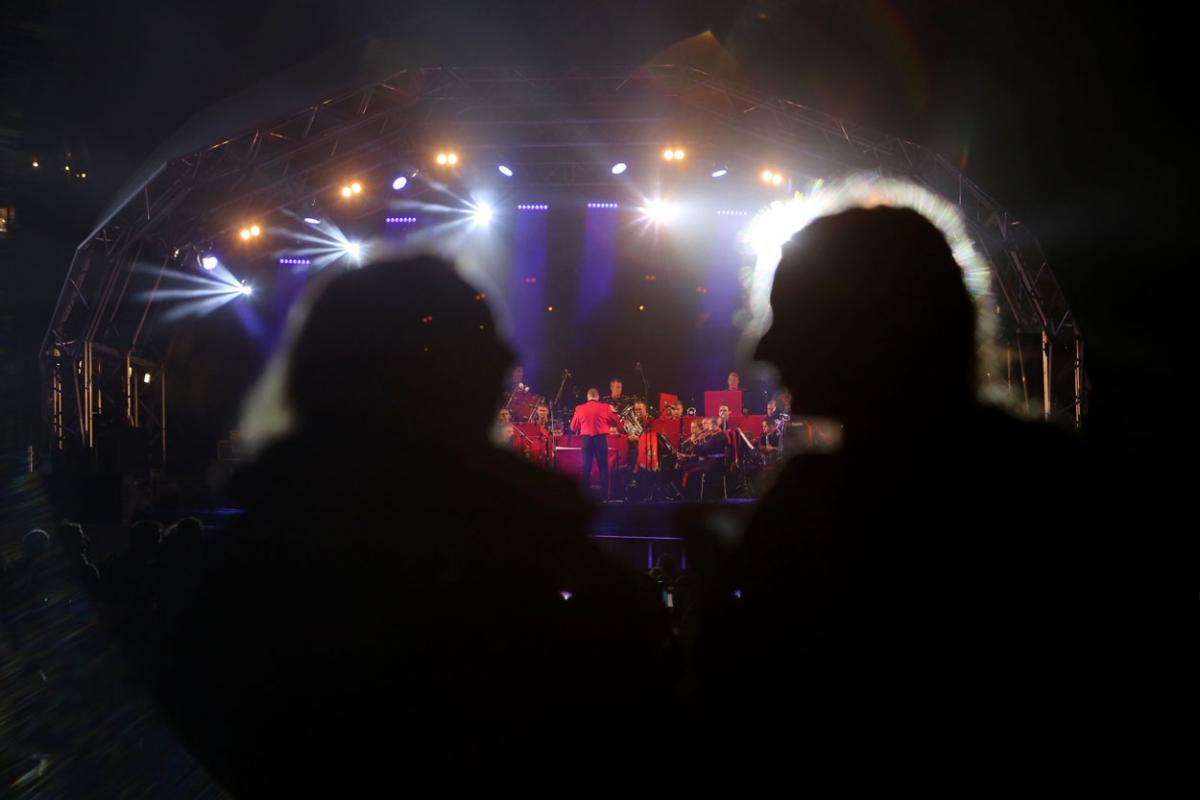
(312, 220)
(660, 211)
(720, 173)
(209, 262)
(484, 213)
(353, 249)
(247, 289)
(619, 167)
(505, 171)
(399, 183)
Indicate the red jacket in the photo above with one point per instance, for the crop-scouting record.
(594, 417)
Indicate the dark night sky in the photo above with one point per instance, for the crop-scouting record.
(1062, 114)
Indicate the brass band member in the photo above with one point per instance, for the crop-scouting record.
(542, 419)
(723, 415)
(770, 441)
(615, 397)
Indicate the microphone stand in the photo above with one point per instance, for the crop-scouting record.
(645, 384)
(553, 406)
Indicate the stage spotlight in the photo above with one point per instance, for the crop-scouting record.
(679, 154)
(505, 171)
(399, 183)
(452, 159)
(619, 167)
(247, 289)
(356, 187)
(441, 159)
(245, 234)
(659, 211)
(347, 191)
(720, 172)
(146, 378)
(354, 250)
(312, 220)
(484, 213)
(209, 261)
(36, 165)
(771, 177)
(255, 230)
(669, 154)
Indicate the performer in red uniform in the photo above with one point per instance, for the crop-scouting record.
(592, 421)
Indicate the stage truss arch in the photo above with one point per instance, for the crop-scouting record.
(559, 127)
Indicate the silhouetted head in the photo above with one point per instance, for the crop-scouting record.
(665, 566)
(383, 344)
(182, 542)
(870, 313)
(593, 394)
(71, 538)
(615, 387)
(35, 544)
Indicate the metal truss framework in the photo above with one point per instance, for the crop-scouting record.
(559, 126)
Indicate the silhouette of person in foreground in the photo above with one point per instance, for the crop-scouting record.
(917, 578)
(401, 598)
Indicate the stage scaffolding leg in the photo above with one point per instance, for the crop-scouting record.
(1079, 382)
(162, 423)
(1047, 379)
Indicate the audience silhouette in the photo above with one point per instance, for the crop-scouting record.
(399, 599)
(892, 587)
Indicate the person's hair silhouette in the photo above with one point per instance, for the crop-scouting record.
(879, 582)
(871, 318)
(392, 597)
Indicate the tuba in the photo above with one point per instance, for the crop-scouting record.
(629, 421)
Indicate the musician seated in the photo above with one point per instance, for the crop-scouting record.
(641, 414)
(517, 380)
(542, 418)
(770, 441)
(703, 453)
(502, 430)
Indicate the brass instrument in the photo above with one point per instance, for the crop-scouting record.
(629, 421)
